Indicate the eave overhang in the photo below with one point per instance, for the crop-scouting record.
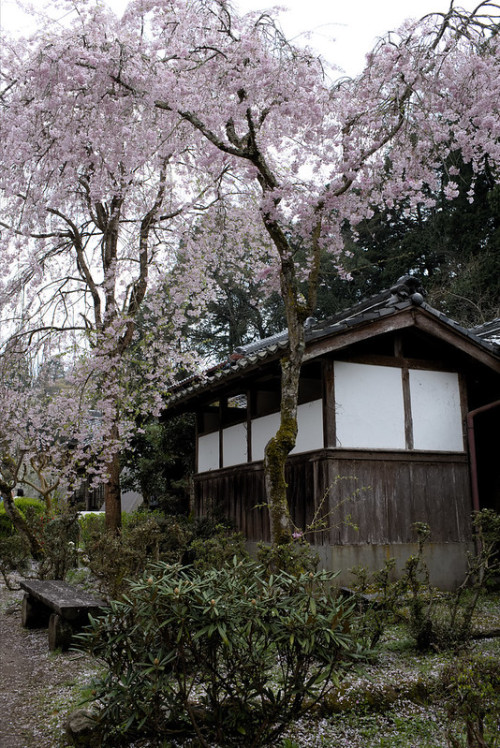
(329, 337)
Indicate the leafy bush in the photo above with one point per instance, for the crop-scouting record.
(14, 556)
(383, 608)
(472, 685)
(24, 504)
(145, 537)
(6, 526)
(91, 524)
(215, 550)
(58, 536)
(295, 557)
(439, 622)
(228, 655)
(153, 536)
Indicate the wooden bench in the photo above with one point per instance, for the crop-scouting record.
(364, 600)
(58, 605)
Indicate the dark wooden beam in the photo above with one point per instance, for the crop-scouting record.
(405, 373)
(457, 340)
(329, 426)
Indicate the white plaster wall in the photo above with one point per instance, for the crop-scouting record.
(310, 433)
(436, 410)
(208, 452)
(369, 407)
(262, 430)
(310, 424)
(234, 445)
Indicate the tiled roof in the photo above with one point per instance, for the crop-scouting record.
(406, 293)
(489, 331)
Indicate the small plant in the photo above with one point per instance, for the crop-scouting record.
(484, 568)
(445, 622)
(230, 656)
(378, 599)
(422, 596)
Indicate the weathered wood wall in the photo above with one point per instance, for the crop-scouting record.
(380, 493)
(386, 494)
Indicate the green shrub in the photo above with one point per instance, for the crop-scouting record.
(15, 553)
(153, 536)
(296, 557)
(230, 656)
(145, 537)
(14, 556)
(90, 525)
(472, 686)
(24, 504)
(58, 536)
(445, 622)
(216, 550)
(6, 526)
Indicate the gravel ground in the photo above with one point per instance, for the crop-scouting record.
(34, 683)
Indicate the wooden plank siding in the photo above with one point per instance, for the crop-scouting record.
(381, 492)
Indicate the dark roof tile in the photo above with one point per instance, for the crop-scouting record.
(406, 293)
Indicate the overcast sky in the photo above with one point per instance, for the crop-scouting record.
(342, 31)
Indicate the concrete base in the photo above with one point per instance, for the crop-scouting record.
(447, 562)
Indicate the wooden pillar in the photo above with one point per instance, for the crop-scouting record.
(405, 378)
(329, 430)
(198, 428)
(222, 408)
(405, 375)
(249, 424)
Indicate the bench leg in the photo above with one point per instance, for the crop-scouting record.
(33, 613)
(60, 633)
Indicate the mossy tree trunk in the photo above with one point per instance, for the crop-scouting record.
(277, 451)
(281, 444)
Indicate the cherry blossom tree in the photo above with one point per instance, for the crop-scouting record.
(317, 154)
(32, 445)
(193, 89)
(98, 193)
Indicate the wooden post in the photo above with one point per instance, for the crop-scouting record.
(329, 429)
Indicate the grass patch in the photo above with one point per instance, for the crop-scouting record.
(397, 701)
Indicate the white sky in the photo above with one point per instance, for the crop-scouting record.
(354, 25)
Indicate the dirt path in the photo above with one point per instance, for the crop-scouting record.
(36, 686)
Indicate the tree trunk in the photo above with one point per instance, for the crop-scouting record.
(280, 446)
(19, 522)
(276, 453)
(112, 491)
